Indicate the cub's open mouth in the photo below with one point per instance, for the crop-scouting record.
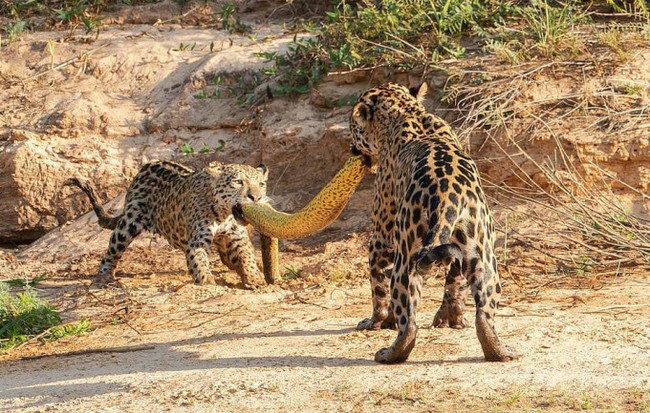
(238, 213)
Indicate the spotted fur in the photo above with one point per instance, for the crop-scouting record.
(428, 209)
(192, 210)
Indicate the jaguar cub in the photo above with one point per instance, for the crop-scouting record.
(192, 210)
(428, 209)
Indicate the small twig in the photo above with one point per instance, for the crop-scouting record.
(302, 300)
(36, 337)
(357, 69)
(159, 22)
(132, 328)
(91, 351)
(97, 298)
(615, 307)
(68, 62)
(217, 317)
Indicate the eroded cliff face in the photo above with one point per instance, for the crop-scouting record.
(130, 99)
(139, 94)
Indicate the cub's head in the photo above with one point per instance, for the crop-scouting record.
(377, 110)
(235, 185)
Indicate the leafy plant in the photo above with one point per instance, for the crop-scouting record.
(242, 86)
(184, 47)
(187, 149)
(635, 8)
(23, 315)
(230, 20)
(291, 273)
(91, 23)
(407, 33)
(612, 39)
(76, 329)
(25, 282)
(14, 30)
(346, 100)
(299, 69)
(204, 149)
(506, 51)
(632, 89)
(73, 11)
(549, 25)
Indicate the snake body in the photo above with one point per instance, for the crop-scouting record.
(320, 212)
(317, 214)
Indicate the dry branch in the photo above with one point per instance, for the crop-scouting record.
(91, 351)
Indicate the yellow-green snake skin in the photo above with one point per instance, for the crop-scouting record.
(270, 259)
(317, 214)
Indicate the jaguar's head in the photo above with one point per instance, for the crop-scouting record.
(236, 185)
(375, 109)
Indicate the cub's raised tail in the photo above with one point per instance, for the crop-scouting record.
(106, 220)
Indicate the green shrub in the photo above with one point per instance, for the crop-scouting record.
(408, 32)
(23, 315)
(75, 329)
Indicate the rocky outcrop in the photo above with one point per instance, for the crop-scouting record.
(33, 170)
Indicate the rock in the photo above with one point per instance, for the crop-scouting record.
(32, 172)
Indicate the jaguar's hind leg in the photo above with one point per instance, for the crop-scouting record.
(486, 291)
(450, 313)
(122, 236)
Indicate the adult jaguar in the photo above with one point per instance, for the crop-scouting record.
(428, 209)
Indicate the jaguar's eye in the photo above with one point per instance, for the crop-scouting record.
(237, 182)
(262, 183)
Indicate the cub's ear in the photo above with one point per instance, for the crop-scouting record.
(362, 113)
(262, 168)
(419, 92)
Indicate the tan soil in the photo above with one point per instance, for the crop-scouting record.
(584, 340)
(294, 347)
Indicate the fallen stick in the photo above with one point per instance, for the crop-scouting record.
(90, 351)
(218, 316)
(616, 307)
(70, 61)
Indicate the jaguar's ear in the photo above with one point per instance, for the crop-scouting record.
(262, 168)
(361, 113)
(419, 92)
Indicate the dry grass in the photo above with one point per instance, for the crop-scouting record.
(576, 219)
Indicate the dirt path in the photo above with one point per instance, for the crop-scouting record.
(216, 348)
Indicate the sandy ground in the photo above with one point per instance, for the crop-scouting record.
(293, 347)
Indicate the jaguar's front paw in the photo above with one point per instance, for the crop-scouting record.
(376, 324)
(445, 318)
(401, 348)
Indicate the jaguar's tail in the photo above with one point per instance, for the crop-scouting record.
(437, 248)
(442, 254)
(105, 219)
